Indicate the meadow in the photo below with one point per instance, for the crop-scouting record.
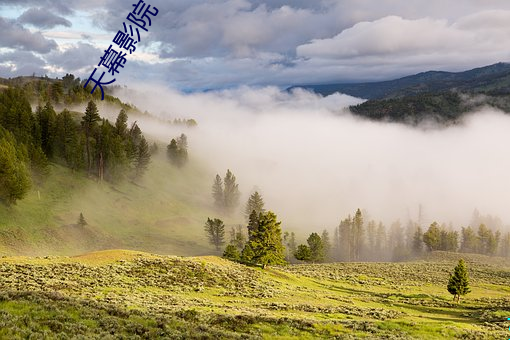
(135, 295)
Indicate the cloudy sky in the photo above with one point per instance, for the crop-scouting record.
(199, 44)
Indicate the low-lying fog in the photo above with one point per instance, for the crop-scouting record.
(315, 163)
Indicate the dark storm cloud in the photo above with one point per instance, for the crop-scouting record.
(17, 37)
(40, 17)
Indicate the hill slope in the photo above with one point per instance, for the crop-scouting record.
(132, 294)
(488, 79)
(164, 213)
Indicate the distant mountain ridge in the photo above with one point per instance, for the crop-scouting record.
(492, 79)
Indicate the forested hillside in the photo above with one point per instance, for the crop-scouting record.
(72, 181)
(443, 97)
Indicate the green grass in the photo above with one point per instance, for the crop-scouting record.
(164, 213)
(138, 295)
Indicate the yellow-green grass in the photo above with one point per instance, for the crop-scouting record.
(164, 212)
(219, 298)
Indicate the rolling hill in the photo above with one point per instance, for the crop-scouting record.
(489, 79)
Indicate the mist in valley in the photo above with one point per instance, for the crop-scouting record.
(314, 163)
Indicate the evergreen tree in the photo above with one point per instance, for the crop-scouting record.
(505, 245)
(121, 126)
(143, 158)
(46, 119)
(451, 242)
(255, 203)
(336, 245)
(371, 238)
(217, 193)
(16, 115)
(215, 230)
(67, 140)
(177, 151)
(357, 234)
(81, 220)
(253, 225)
(316, 247)
(381, 241)
(487, 240)
(345, 231)
(14, 176)
(89, 122)
(154, 149)
(230, 192)
(458, 283)
(266, 241)
(432, 237)
(237, 237)
(247, 254)
(289, 240)
(418, 241)
(303, 253)
(232, 253)
(326, 243)
(470, 243)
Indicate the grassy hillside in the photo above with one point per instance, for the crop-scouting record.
(114, 294)
(164, 213)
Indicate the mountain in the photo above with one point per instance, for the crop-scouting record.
(489, 79)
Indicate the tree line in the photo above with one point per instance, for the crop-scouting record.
(357, 240)
(83, 142)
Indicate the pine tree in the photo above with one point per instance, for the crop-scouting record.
(255, 203)
(357, 234)
(253, 225)
(89, 122)
(215, 230)
(470, 243)
(231, 192)
(505, 245)
(247, 254)
(46, 118)
(289, 240)
(458, 284)
(381, 241)
(232, 253)
(316, 247)
(143, 158)
(326, 243)
(81, 221)
(432, 237)
(371, 238)
(67, 140)
(237, 237)
(14, 175)
(418, 241)
(266, 241)
(345, 233)
(303, 253)
(217, 193)
(121, 126)
(177, 151)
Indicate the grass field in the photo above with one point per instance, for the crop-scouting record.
(139, 295)
(164, 213)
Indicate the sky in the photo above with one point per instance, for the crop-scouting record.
(195, 45)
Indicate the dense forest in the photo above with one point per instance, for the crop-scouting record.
(82, 141)
(443, 97)
(444, 107)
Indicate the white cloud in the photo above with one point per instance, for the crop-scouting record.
(426, 41)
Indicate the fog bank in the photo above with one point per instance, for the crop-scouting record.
(315, 163)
